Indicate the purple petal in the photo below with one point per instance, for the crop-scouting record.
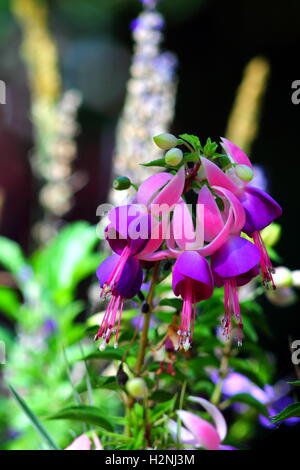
(130, 280)
(237, 257)
(261, 209)
(191, 265)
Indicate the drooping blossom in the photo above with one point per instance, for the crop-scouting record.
(199, 433)
(192, 280)
(127, 286)
(260, 208)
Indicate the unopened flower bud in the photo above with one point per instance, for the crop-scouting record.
(173, 157)
(283, 297)
(282, 277)
(165, 141)
(296, 278)
(121, 183)
(244, 172)
(137, 387)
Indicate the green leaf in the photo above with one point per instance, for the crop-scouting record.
(9, 302)
(11, 256)
(58, 265)
(36, 423)
(248, 399)
(193, 140)
(297, 383)
(159, 162)
(292, 411)
(108, 383)
(159, 396)
(85, 414)
(174, 303)
(108, 354)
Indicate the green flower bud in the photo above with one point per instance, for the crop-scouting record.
(173, 157)
(165, 141)
(282, 277)
(244, 172)
(296, 278)
(121, 183)
(137, 387)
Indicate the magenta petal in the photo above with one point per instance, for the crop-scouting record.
(213, 222)
(237, 207)
(172, 192)
(216, 177)
(260, 208)
(220, 239)
(205, 434)
(236, 154)
(191, 266)
(236, 257)
(182, 224)
(149, 188)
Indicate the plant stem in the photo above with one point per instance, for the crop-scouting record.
(147, 317)
(216, 396)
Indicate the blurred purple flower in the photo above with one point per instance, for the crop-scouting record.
(49, 327)
(275, 397)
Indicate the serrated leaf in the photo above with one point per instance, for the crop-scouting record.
(248, 399)
(85, 414)
(193, 140)
(291, 411)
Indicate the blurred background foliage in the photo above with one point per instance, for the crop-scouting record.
(48, 295)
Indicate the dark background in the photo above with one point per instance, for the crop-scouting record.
(213, 41)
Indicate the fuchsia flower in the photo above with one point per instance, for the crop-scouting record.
(260, 208)
(227, 206)
(198, 432)
(193, 281)
(128, 284)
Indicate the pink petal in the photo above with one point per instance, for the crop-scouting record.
(216, 177)
(238, 210)
(171, 193)
(81, 443)
(149, 188)
(220, 239)
(213, 222)
(205, 434)
(235, 153)
(215, 414)
(183, 227)
(157, 256)
(186, 437)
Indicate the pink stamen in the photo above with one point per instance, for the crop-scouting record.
(265, 263)
(116, 273)
(114, 309)
(232, 308)
(188, 315)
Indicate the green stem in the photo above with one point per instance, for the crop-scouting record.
(216, 396)
(147, 318)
